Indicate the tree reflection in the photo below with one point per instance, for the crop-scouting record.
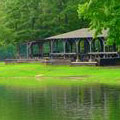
(60, 103)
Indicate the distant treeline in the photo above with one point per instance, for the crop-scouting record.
(7, 52)
(27, 20)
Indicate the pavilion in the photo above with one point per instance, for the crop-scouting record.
(78, 45)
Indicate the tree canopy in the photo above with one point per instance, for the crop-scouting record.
(26, 20)
(103, 14)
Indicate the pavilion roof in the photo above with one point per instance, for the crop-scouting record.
(81, 33)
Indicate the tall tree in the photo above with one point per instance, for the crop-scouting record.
(103, 14)
(6, 34)
(23, 20)
(35, 19)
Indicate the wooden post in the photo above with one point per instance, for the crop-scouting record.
(51, 48)
(77, 50)
(30, 50)
(41, 49)
(39, 45)
(104, 50)
(90, 42)
(27, 50)
(71, 47)
(90, 46)
(18, 51)
(64, 45)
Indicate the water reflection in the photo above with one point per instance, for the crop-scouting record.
(60, 103)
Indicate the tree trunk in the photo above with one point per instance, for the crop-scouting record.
(18, 51)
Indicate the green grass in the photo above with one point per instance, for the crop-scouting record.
(37, 75)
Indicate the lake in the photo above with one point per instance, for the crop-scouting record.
(89, 102)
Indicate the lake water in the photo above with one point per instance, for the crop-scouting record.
(97, 102)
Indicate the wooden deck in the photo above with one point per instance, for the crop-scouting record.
(103, 53)
(57, 54)
(99, 62)
(84, 63)
(8, 61)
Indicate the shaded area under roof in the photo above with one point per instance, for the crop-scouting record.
(81, 33)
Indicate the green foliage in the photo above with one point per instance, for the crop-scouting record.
(6, 34)
(8, 51)
(103, 14)
(24, 20)
(29, 20)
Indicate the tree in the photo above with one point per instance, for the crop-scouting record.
(103, 14)
(38, 19)
(6, 34)
(28, 20)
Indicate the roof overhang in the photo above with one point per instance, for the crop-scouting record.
(81, 33)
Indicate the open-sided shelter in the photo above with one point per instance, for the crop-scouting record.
(76, 45)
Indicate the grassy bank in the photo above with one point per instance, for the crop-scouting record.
(33, 74)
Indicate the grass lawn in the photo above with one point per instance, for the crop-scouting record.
(57, 74)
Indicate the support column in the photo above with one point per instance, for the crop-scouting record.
(90, 46)
(90, 43)
(31, 50)
(51, 48)
(104, 50)
(103, 44)
(18, 51)
(71, 47)
(77, 50)
(64, 45)
(27, 50)
(41, 49)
